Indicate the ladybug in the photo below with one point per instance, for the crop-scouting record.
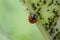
(32, 18)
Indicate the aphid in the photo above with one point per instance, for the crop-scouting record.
(32, 18)
(46, 16)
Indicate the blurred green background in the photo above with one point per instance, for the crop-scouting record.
(14, 23)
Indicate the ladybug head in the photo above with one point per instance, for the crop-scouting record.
(32, 18)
